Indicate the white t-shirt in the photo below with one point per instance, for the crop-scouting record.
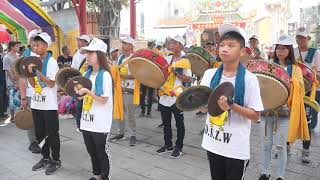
(232, 139)
(126, 83)
(169, 100)
(46, 98)
(97, 117)
(77, 59)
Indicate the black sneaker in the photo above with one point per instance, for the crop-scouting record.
(53, 167)
(160, 125)
(41, 164)
(264, 177)
(34, 148)
(148, 115)
(132, 141)
(176, 153)
(117, 137)
(93, 178)
(164, 149)
(279, 179)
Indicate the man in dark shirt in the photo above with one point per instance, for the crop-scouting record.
(65, 58)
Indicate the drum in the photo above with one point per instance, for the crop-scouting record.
(150, 68)
(308, 76)
(274, 83)
(200, 60)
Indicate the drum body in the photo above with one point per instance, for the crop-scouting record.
(308, 76)
(274, 83)
(200, 60)
(150, 68)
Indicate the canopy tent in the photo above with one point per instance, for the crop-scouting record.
(22, 16)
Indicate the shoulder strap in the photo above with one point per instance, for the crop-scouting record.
(121, 58)
(310, 55)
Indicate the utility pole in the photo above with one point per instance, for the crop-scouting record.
(133, 24)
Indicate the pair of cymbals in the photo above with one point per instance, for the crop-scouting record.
(22, 64)
(69, 80)
(198, 96)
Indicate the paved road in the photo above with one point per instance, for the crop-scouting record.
(139, 162)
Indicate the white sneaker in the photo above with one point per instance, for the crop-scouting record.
(78, 130)
(69, 116)
(62, 116)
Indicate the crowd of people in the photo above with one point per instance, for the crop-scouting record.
(228, 147)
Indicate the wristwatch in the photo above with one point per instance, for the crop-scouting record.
(230, 101)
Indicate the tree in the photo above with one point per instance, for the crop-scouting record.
(107, 13)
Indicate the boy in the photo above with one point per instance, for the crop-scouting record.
(167, 104)
(228, 146)
(44, 106)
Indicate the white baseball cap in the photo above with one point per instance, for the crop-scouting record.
(128, 40)
(44, 36)
(96, 45)
(85, 37)
(254, 37)
(225, 28)
(302, 31)
(113, 49)
(178, 39)
(33, 33)
(285, 40)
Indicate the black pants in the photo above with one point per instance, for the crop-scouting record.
(98, 149)
(144, 90)
(223, 168)
(47, 125)
(3, 100)
(312, 117)
(166, 115)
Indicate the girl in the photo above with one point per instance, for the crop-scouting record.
(284, 56)
(97, 109)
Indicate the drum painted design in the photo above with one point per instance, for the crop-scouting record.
(200, 60)
(150, 68)
(308, 76)
(274, 83)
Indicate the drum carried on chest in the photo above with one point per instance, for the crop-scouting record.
(308, 76)
(200, 60)
(150, 68)
(274, 83)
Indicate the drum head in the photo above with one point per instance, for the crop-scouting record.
(193, 98)
(147, 72)
(23, 119)
(273, 93)
(198, 64)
